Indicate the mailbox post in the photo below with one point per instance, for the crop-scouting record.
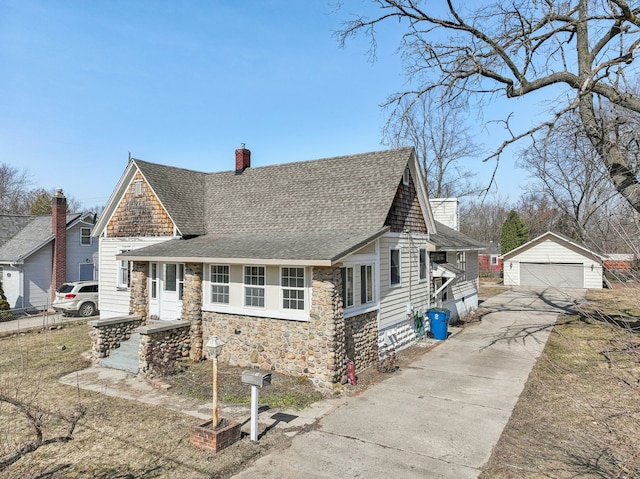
(256, 380)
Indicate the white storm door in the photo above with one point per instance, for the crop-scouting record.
(170, 290)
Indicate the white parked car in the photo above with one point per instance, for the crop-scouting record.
(78, 297)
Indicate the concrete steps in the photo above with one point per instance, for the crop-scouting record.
(124, 358)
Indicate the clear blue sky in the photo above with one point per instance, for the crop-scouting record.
(185, 83)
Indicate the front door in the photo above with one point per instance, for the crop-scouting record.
(166, 283)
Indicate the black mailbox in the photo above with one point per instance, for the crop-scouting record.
(256, 378)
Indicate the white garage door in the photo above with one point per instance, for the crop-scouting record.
(554, 275)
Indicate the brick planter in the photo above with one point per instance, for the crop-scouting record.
(214, 441)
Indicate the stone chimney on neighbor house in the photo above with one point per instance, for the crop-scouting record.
(243, 159)
(59, 227)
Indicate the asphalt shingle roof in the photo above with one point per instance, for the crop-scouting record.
(181, 192)
(311, 210)
(22, 235)
(449, 239)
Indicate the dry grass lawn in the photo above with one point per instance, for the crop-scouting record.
(579, 414)
(117, 439)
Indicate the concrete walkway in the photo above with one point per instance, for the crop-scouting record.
(439, 418)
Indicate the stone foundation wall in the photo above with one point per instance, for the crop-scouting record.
(161, 344)
(107, 334)
(361, 340)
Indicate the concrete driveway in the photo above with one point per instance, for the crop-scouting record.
(438, 418)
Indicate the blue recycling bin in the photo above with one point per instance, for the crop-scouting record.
(439, 322)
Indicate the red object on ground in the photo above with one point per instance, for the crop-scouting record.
(351, 372)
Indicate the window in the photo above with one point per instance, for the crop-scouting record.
(219, 277)
(366, 284)
(154, 280)
(394, 264)
(423, 264)
(137, 188)
(347, 287)
(180, 281)
(405, 177)
(169, 281)
(254, 280)
(438, 257)
(292, 281)
(494, 260)
(461, 259)
(125, 268)
(85, 236)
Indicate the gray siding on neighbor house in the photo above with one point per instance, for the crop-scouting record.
(37, 278)
(78, 254)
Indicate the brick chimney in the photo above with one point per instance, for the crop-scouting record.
(59, 227)
(243, 159)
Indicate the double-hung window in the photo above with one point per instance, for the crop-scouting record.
(423, 264)
(85, 236)
(461, 259)
(292, 281)
(366, 284)
(219, 277)
(254, 283)
(125, 268)
(394, 267)
(347, 287)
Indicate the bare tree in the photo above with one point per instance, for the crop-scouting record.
(483, 219)
(540, 213)
(582, 49)
(36, 420)
(566, 173)
(436, 128)
(14, 190)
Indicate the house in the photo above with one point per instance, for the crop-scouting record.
(294, 266)
(39, 253)
(619, 262)
(553, 260)
(490, 262)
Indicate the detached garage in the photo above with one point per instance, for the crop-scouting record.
(553, 260)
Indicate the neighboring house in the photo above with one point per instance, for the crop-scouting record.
(618, 262)
(39, 253)
(295, 266)
(490, 261)
(553, 260)
(455, 262)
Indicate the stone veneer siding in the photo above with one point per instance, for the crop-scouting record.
(139, 296)
(192, 307)
(361, 340)
(314, 348)
(161, 344)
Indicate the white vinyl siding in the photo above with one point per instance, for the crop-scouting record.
(394, 299)
(114, 301)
